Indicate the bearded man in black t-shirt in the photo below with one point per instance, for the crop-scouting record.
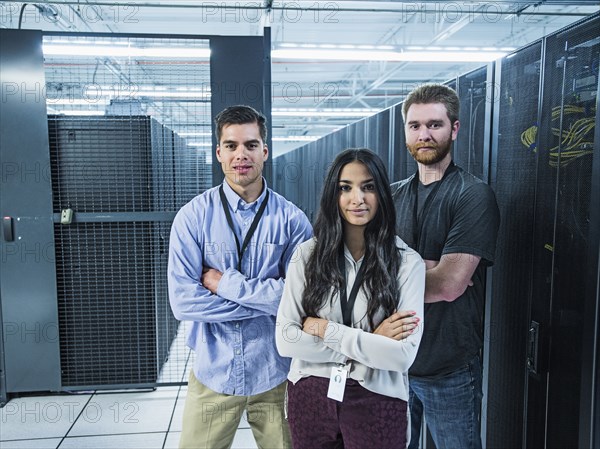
(451, 218)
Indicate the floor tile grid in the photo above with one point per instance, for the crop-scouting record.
(80, 433)
(178, 399)
(157, 439)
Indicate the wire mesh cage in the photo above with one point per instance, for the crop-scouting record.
(130, 132)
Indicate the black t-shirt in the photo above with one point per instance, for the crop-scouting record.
(459, 216)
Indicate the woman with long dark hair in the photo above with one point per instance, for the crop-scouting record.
(339, 316)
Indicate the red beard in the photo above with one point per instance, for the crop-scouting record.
(433, 156)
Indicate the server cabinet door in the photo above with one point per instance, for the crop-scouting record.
(27, 266)
(513, 180)
(562, 235)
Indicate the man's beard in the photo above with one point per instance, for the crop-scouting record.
(438, 152)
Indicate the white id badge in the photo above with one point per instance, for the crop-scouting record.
(337, 383)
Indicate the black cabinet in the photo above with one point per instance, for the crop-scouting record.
(562, 289)
(115, 323)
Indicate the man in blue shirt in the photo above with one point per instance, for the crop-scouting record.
(229, 251)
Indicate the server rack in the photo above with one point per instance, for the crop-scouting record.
(192, 173)
(281, 168)
(28, 330)
(164, 198)
(514, 175)
(115, 323)
(404, 165)
(377, 139)
(561, 288)
(471, 140)
(313, 160)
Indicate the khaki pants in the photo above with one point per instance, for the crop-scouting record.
(211, 419)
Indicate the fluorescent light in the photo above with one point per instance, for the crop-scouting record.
(80, 41)
(295, 138)
(323, 112)
(78, 112)
(96, 91)
(343, 52)
(333, 55)
(327, 126)
(110, 50)
(78, 102)
(199, 144)
(169, 94)
(342, 46)
(451, 56)
(194, 134)
(407, 56)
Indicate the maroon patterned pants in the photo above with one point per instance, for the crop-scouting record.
(364, 420)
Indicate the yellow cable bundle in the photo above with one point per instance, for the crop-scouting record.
(528, 137)
(573, 140)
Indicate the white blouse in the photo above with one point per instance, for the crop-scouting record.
(380, 364)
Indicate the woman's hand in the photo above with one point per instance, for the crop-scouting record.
(315, 326)
(399, 325)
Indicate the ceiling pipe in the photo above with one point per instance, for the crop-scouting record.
(404, 9)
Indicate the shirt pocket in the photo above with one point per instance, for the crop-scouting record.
(271, 258)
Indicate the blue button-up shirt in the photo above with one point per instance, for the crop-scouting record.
(233, 332)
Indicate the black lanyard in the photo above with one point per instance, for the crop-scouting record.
(419, 219)
(252, 229)
(348, 303)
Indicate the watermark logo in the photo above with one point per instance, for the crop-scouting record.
(61, 14)
(55, 411)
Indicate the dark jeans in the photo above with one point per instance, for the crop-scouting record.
(452, 408)
(364, 420)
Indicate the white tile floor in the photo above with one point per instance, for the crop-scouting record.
(136, 419)
(100, 419)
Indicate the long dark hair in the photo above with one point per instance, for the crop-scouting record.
(382, 257)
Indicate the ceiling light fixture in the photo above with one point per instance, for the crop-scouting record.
(116, 51)
(324, 112)
(406, 56)
(194, 134)
(77, 102)
(343, 52)
(295, 138)
(171, 94)
(80, 112)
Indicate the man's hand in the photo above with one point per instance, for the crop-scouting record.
(315, 326)
(210, 279)
(399, 325)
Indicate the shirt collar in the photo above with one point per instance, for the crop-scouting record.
(236, 202)
(349, 258)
